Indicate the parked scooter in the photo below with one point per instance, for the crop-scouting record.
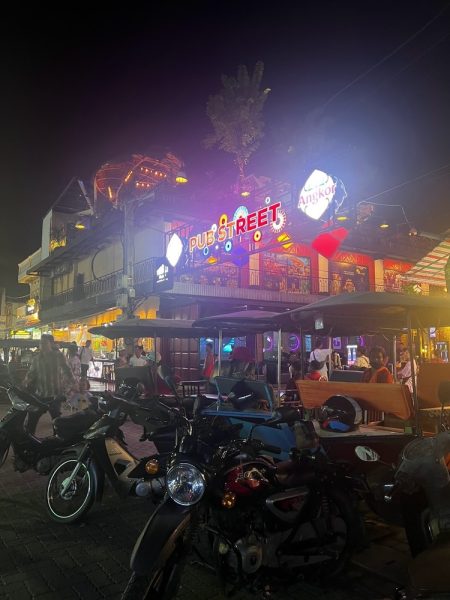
(31, 452)
(78, 480)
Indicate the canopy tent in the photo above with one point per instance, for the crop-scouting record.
(241, 322)
(245, 322)
(150, 328)
(367, 312)
(431, 268)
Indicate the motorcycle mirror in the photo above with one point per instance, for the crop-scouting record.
(366, 454)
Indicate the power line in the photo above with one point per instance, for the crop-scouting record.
(385, 58)
(400, 185)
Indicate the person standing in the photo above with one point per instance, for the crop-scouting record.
(208, 367)
(404, 374)
(86, 357)
(48, 376)
(73, 360)
(320, 355)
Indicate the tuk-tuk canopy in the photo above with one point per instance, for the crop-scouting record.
(367, 312)
(150, 328)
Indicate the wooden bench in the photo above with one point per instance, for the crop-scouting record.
(381, 398)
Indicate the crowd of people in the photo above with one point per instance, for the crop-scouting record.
(373, 364)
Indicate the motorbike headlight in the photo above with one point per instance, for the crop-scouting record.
(185, 484)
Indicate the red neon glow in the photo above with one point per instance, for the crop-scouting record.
(327, 244)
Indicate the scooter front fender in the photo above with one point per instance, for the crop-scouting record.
(97, 473)
(166, 524)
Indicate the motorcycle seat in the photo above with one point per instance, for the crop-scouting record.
(69, 427)
(427, 572)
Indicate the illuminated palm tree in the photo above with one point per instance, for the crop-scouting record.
(236, 115)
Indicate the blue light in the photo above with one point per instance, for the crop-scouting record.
(205, 251)
(228, 246)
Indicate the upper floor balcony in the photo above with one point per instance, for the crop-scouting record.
(224, 283)
(28, 265)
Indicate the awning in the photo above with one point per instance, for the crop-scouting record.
(431, 268)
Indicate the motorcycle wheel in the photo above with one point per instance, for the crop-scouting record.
(342, 508)
(4, 448)
(164, 580)
(416, 521)
(78, 499)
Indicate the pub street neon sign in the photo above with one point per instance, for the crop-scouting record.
(226, 230)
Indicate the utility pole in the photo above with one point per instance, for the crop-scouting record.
(128, 256)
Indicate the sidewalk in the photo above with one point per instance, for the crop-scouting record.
(44, 560)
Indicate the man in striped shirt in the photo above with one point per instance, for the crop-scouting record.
(48, 377)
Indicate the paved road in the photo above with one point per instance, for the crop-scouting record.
(44, 560)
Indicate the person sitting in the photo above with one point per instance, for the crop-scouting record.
(138, 360)
(362, 360)
(378, 372)
(122, 359)
(242, 364)
(315, 373)
(81, 399)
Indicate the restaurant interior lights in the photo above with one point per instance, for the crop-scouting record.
(384, 225)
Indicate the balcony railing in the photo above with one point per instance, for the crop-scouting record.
(91, 289)
(143, 272)
(227, 276)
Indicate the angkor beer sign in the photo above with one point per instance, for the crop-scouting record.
(243, 222)
(318, 194)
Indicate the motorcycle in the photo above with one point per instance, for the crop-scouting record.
(252, 520)
(77, 481)
(31, 452)
(421, 487)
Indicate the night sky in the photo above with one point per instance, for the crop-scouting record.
(359, 89)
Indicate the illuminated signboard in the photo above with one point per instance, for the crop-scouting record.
(243, 222)
(318, 194)
(163, 278)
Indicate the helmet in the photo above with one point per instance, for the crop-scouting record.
(340, 414)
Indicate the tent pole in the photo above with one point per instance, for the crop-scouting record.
(302, 357)
(219, 360)
(279, 368)
(394, 356)
(413, 376)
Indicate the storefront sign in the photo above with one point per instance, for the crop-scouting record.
(318, 193)
(163, 279)
(240, 225)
